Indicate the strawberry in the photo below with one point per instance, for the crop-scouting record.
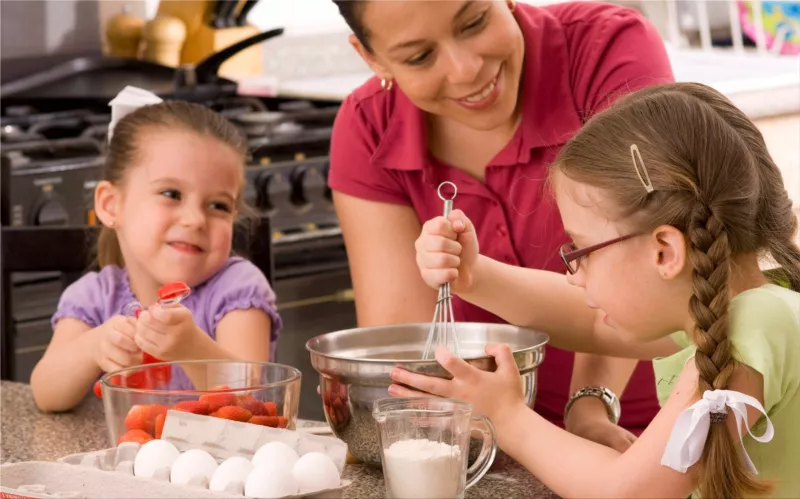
(217, 400)
(98, 390)
(255, 407)
(219, 388)
(193, 406)
(271, 421)
(138, 436)
(234, 413)
(173, 292)
(271, 408)
(160, 418)
(143, 417)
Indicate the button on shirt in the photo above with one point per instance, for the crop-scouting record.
(578, 58)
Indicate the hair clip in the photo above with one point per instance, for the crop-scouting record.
(641, 172)
(127, 101)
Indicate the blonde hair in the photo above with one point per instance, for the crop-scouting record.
(715, 181)
(126, 141)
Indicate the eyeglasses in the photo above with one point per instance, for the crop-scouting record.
(572, 257)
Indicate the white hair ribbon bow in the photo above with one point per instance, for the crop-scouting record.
(688, 437)
(127, 101)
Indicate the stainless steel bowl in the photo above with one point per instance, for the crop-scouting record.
(354, 367)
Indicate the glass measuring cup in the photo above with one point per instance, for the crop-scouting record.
(425, 446)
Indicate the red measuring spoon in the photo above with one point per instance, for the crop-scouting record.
(169, 294)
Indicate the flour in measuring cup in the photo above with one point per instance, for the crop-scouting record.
(422, 468)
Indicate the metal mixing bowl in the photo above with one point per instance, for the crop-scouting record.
(354, 367)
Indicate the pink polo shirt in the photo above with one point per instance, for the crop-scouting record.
(578, 58)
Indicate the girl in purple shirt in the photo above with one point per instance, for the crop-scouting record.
(171, 194)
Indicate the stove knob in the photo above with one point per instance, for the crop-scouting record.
(328, 192)
(298, 196)
(51, 212)
(263, 201)
(250, 194)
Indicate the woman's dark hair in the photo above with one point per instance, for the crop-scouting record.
(127, 140)
(351, 11)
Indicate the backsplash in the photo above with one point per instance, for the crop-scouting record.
(308, 56)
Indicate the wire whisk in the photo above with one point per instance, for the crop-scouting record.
(443, 325)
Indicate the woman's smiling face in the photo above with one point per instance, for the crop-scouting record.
(459, 60)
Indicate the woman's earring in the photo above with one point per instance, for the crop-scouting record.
(512, 4)
(387, 84)
(111, 224)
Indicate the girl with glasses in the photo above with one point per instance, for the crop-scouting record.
(671, 201)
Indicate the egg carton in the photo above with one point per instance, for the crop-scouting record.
(108, 473)
(51, 480)
(223, 438)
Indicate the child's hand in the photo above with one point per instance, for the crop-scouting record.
(167, 333)
(447, 250)
(492, 394)
(116, 348)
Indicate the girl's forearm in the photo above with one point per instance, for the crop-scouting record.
(65, 374)
(533, 298)
(205, 348)
(545, 301)
(567, 464)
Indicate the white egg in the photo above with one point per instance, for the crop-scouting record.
(269, 481)
(275, 452)
(233, 469)
(154, 455)
(316, 471)
(192, 463)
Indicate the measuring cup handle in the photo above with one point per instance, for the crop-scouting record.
(488, 450)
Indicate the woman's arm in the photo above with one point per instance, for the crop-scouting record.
(67, 370)
(380, 250)
(588, 416)
(546, 301)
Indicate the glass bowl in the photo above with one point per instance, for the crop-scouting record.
(136, 399)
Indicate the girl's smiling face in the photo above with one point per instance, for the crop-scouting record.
(175, 210)
(638, 284)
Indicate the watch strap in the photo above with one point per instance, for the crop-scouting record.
(609, 399)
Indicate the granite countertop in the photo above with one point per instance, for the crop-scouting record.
(29, 435)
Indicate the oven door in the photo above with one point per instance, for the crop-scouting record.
(312, 305)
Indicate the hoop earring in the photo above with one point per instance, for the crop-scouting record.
(512, 5)
(387, 84)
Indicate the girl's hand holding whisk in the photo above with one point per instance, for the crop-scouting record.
(168, 332)
(115, 347)
(447, 250)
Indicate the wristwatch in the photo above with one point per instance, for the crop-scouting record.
(608, 397)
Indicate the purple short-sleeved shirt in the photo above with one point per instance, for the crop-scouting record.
(239, 285)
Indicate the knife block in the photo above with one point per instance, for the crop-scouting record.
(206, 40)
(202, 40)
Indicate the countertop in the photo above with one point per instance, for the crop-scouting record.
(29, 435)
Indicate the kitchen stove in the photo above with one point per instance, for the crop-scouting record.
(57, 159)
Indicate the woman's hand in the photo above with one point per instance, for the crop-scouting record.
(447, 250)
(492, 394)
(168, 333)
(592, 423)
(116, 348)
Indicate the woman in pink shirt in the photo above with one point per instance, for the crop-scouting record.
(484, 94)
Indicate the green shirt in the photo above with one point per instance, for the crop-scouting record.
(765, 333)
